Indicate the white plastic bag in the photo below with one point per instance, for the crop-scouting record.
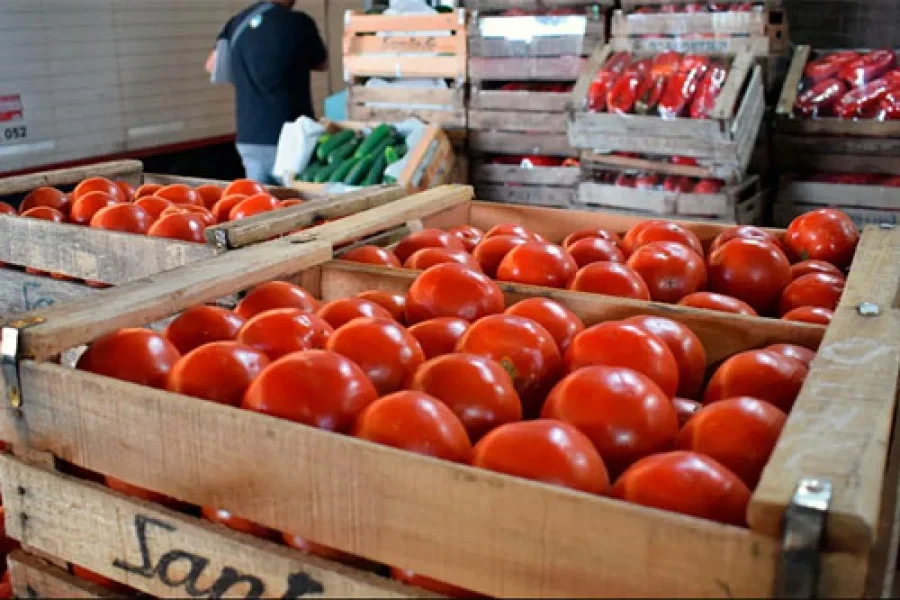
(295, 147)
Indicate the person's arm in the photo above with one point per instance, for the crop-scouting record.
(211, 61)
(310, 45)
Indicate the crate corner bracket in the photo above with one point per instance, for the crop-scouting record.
(804, 530)
(10, 355)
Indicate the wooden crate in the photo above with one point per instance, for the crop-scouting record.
(484, 6)
(481, 530)
(113, 257)
(540, 186)
(445, 108)
(483, 46)
(725, 141)
(866, 204)
(742, 203)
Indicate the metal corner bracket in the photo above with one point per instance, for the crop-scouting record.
(804, 530)
(9, 357)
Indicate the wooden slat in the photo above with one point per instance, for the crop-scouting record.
(506, 142)
(791, 86)
(448, 67)
(33, 577)
(407, 95)
(21, 292)
(133, 542)
(677, 24)
(531, 5)
(738, 72)
(550, 68)
(120, 169)
(529, 195)
(367, 44)
(361, 23)
(547, 176)
(851, 391)
(522, 101)
(595, 61)
(837, 127)
(514, 120)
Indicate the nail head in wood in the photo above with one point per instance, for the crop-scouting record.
(868, 309)
(804, 528)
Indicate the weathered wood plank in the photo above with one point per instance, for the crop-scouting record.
(129, 170)
(33, 577)
(22, 292)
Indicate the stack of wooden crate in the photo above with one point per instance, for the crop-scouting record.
(524, 58)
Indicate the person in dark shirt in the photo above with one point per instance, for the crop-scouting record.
(271, 60)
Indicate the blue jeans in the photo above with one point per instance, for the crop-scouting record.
(258, 162)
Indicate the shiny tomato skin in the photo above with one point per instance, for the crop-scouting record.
(808, 267)
(382, 348)
(804, 355)
(129, 218)
(147, 189)
(514, 230)
(47, 196)
(687, 483)
(477, 389)
(314, 387)
(275, 294)
(432, 585)
(666, 231)
(7, 209)
(451, 290)
(210, 194)
(232, 521)
(469, 235)
(428, 257)
(416, 422)
(179, 226)
(740, 433)
(126, 189)
(202, 324)
(218, 371)
(761, 374)
(597, 232)
(624, 413)
(620, 344)
(745, 232)
(628, 240)
(611, 279)
(815, 289)
(45, 213)
(685, 409)
(252, 205)
(825, 234)
(491, 251)
(205, 216)
(338, 313)
(671, 270)
(717, 302)
(815, 315)
(225, 204)
(97, 184)
(87, 205)
(137, 355)
(427, 238)
(593, 249)
(372, 255)
(281, 331)
(153, 206)
(685, 346)
(544, 450)
(558, 320)
(245, 187)
(439, 336)
(524, 348)
(750, 270)
(393, 303)
(180, 193)
(537, 263)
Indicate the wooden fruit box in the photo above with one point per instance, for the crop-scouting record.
(483, 46)
(742, 203)
(113, 257)
(429, 163)
(725, 140)
(481, 530)
(539, 186)
(865, 204)
(532, 5)
(445, 108)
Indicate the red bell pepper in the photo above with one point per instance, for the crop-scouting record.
(868, 67)
(707, 92)
(688, 161)
(863, 101)
(893, 181)
(677, 183)
(624, 93)
(616, 63)
(625, 180)
(707, 186)
(670, 9)
(681, 87)
(819, 98)
(645, 10)
(646, 181)
(534, 160)
(650, 95)
(571, 162)
(665, 63)
(889, 107)
(828, 66)
(599, 90)
(641, 66)
(892, 76)
(743, 7)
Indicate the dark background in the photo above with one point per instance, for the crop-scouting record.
(844, 23)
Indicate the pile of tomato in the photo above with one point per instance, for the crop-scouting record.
(851, 85)
(695, 7)
(745, 270)
(855, 179)
(654, 181)
(534, 161)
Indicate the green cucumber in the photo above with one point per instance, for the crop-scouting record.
(359, 170)
(343, 151)
(376, 172)
(373, 139)
(341, 137)
(310, 171)
(388, 179)
(323, 138)
(340, 173)
(394, 153)
(324, 173)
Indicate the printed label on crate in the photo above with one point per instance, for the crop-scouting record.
(528, 27)
(12, 115)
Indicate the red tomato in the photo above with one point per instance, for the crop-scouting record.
(427, 238)
(205, 216)
(612, 279)
(620, 344)
(47, 196)
(597, 232)
(130, 218)
(685, 409)
(719, 302)
(428, 257)
(218, 371)
(477, 389)
(45, 213)
(687, 483)
(340, 312)
(816, 315)
(416, 422)
(223, 207)
(804, 355)
(372, 255)
(179, 193)
(515, 230)
(451, 290)
(537, 263)
(491, 251)
(825, 234)
(523, 347)
(232, 521)
(665, 231)
(744, 232)
(126, 189)
(275, 294)
(245, 187)
(685, 346)
(439, 336)
(315, 387)
(137, 355)
(280, 331)
(88, 204)
(544, 450)
(670, 270)
(295, 541)
(432, 585)
(815, 289)
(808, 267)
(592, 249)
(6, 209)
(252, 205)
(559, 321)
(153, 206)
(393, 303)
(739, 433)
(179, 226)
(202, 324)
(469, 235)
(382, 348)
(147, 189)
(210, 194)
(750, 270)
(628, 415)
(761, 374)
(97, 184)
